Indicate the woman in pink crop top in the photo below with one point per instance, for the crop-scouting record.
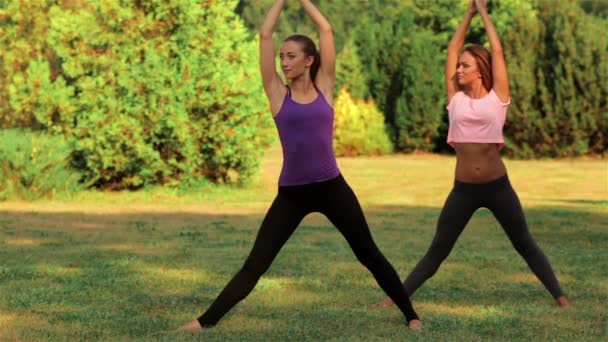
(310, 180)
(478, 96)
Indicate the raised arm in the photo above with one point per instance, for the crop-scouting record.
(451, 83)
(499, 67)
(326, 77)
(273, 84)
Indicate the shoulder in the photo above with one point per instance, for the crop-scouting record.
(325, 92)
(492, 96)
(456, 98)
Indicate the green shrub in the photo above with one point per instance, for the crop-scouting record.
(150, 92)
(34, 165)
(404, 68)
(359, 127)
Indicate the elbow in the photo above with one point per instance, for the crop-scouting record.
(325, 28)
(264, 34)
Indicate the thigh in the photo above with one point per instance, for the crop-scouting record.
(454, 216)
(507, 209)
(344, 211)
(278, 225)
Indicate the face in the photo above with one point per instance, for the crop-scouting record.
(466, 71)
(294, 61)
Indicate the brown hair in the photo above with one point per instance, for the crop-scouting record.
(310, 49)
(484, 63)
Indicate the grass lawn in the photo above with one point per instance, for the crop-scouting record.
(133, 266)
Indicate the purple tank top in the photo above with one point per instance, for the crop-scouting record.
(306, 132)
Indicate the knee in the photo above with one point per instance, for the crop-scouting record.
(254, 268)
(433, 259)
(438, 251)
(525, 246)
(370, 257)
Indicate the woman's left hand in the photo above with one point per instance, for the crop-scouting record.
(482, 6)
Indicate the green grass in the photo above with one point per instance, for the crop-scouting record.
(133, 266)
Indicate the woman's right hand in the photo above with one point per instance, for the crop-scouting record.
(472, 9)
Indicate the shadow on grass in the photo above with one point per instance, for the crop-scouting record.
(129, 275)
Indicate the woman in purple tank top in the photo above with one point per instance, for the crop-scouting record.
(310, 180)
(478, 95)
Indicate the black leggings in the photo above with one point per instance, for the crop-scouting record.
(463, 201)
(333, 198)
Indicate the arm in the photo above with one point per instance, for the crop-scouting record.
(499, 67)
(273, 85)
(451, 84)
(326, 76)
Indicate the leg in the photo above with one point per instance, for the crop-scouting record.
(507, 209)
(280, 222)
(454, 216)
(344, 211)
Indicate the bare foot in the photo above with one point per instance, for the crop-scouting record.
(415, 324)
(386, 302)
(191, 326)
(563, 301)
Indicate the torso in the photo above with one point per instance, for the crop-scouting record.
(305, 126)
(478, 163)
(300, 98)
(476, 135)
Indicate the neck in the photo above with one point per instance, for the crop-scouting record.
(302, 84)
(475, 90)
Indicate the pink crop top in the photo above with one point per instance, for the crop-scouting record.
(476, 120)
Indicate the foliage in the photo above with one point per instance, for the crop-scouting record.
(559, 79)
(359, 127)
(168, 92)
(152, 92)
(34, 165)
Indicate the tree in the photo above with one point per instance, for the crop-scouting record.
(595, 7)
(404, 66)
(350, 73)
(574, 88)
(558, 72)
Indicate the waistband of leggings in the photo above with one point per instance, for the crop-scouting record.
(496, 184)
(326, 184)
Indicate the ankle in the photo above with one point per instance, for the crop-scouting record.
(563, 301)
(415, 324)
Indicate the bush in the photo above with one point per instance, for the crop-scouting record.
(559, 79)
(359, 127)
(150, 92)
(404, 68)
(34, 165)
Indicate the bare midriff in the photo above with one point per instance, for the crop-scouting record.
(478, 163)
